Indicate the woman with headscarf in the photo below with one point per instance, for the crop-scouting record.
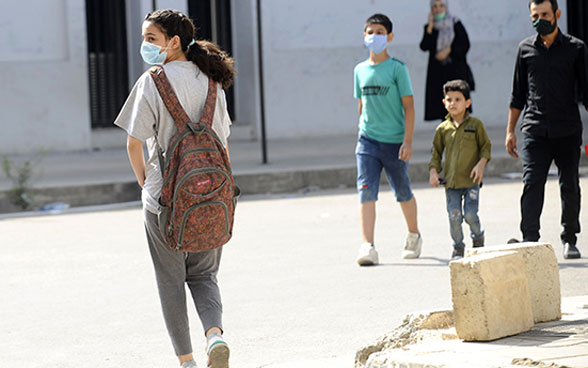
(446, 40)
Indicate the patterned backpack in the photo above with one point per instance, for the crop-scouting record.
(199, 194)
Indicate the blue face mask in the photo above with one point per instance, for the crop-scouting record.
(376, 43)
(152, 54)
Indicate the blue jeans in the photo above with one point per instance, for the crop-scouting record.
(463, 204)
(373, 156)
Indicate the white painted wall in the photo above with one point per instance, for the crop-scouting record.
(43, 59)
(311, 48)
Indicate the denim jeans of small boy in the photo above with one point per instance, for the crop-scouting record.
(463, 204)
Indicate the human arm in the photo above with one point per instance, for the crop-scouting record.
(357, 91)
(137, 159)
(581, 69)
(518, 101)
(434, 177)
(443, 54)
(436, 156)
(406, 148)
(477, 173)
(511, 139)
(430, 23)
(429, 41)
(485, 149)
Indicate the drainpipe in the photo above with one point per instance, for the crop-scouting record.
(261, 90)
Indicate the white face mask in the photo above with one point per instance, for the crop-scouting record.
(152, 54)
(376, 43)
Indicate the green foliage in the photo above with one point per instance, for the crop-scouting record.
(20, 174)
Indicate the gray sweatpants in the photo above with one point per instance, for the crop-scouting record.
(175, 269)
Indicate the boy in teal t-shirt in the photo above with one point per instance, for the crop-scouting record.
(386, 127)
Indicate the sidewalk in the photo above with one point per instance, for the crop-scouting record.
(105, 176)
(555, 344)
(562, 343)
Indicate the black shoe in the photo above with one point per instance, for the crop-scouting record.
(570, 251)
(457, 253)
(477, 243)
(513, 241)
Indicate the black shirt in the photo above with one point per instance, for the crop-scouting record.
(545, 82)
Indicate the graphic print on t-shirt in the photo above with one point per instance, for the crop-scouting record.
(375, 90)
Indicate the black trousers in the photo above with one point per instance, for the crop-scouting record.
(537, 154)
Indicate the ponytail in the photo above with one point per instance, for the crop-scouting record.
(212, 61)
(209, 58)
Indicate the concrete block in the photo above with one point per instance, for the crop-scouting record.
(542, 274)
(491, 298)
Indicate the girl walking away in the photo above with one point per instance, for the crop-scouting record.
(189, 65)
(447, 42)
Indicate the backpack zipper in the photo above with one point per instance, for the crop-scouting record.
(191, 209)
(190, 174)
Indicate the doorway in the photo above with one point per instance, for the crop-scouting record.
(107, 59)
(213, 23)
(578, 19)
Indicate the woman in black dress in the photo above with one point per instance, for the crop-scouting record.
(446, 40)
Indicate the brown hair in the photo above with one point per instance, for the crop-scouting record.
(209, 58)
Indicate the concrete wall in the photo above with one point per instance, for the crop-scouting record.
(44, 94)
(311, 47)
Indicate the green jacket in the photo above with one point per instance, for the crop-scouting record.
(464, 146)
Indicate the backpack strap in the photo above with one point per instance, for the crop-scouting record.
(167, 94)
(209, 105)
(172, 103)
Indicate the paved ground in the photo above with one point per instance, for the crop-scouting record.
(78, 289)
(105, 176)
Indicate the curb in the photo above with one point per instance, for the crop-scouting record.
(286, 181)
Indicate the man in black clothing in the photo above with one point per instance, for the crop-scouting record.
(550, 68)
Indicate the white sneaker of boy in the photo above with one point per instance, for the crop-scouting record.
(412, 246)
(367, 255)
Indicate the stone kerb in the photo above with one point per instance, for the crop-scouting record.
(542, 275)
(490, 295)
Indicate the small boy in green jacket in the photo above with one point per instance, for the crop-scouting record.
(467, 150)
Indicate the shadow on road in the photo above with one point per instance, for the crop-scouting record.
(439, 262)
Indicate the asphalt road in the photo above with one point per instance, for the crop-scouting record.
(77, 290)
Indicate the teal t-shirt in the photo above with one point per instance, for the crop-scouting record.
(381, 88)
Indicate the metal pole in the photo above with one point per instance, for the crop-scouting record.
(261, 91)
(154, 5)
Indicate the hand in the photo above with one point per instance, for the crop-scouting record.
(443, 54)
(477, 173)
(405, 152)
(511, 145)
(431, 23)
(434, 178)
(141, 181)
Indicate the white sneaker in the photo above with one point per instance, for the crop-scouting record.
(218, 351)
(412, 246)
(367, 255)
